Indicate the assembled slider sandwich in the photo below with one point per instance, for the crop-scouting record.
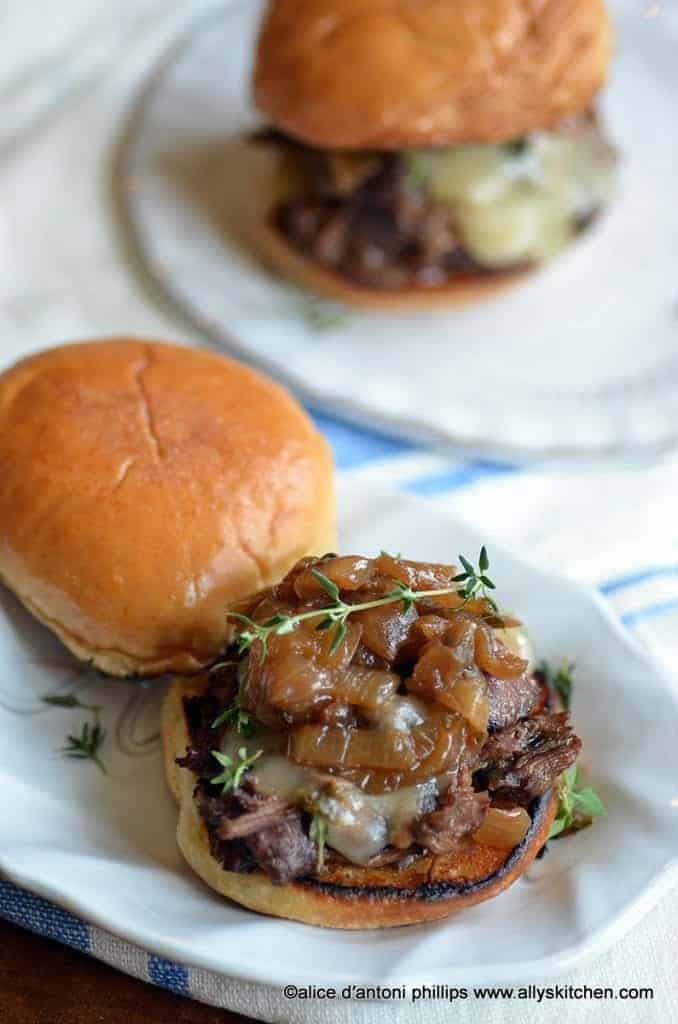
(428, 151)
(374, 747)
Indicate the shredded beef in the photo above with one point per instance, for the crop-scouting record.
(283, 850)
(461, 813)
(262, 813)
(383, 232)
(513, 699)
(200, 714)
(530, 755)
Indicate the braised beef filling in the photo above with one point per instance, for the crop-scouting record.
(414, 726)
(389, 220)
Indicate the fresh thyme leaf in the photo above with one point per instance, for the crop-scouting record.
(516, 147)
(328, 585)
(233, 772)
(236, 716)
(577, 805)
(339, 634)
(483, 560)
(396, 558)
(470, 571)
(68, 700)
(561, 681)
(322, 316)
(588, 802)
(318, 834)
(87, 745)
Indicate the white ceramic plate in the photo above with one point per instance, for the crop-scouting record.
(103, 846)
(582, 358)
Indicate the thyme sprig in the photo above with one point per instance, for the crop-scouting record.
(577, 805)
(234, 770)
(561, 681)
(317, 833)
(69, 700)
(235, 716)
(475, 584)
(87, 745)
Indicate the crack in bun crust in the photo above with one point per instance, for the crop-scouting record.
(348, 897)
(476, 70)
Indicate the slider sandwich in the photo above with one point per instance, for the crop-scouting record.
(428, 151)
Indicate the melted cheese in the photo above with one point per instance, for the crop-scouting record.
(515, 205)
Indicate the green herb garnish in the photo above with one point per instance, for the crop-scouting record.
(322, 316)
(68, 700)
(235, 715)
(233, 772)
(516, 147)
(476, 582)
(87, 745)
(561, 681)
(333, 616)
(318, 834)
(577, 805)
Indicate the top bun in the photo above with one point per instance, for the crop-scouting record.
(144, 488)
(394, 74)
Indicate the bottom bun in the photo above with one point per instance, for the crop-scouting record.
(457, 291)
(349, 896)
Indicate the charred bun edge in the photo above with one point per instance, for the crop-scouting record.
(317, 902)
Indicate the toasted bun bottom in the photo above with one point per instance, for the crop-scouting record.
(350, 896)
(458, 290)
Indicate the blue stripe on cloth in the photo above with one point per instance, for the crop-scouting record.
(168, 974)
(459, 476)
(354, 446)
(632, 579)
(32, 912)
(649, 611)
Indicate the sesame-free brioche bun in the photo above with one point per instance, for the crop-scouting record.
(393, 74)
(347, 896)
(145, 488)
(456, 290)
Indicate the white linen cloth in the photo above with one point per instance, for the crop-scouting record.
(63, 275)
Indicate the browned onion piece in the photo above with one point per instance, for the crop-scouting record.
(418, 575)
(352, 748)
(350, 572)
(429, 749)
(297, 674)
(364, 687)
(503, 829)
(493, 657)
(385, 629)
(439, 675)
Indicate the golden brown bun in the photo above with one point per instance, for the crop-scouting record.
(347, 897)
(394, 74)
(457, 291)
(146, 487)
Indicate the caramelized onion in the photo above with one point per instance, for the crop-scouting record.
(350, 572)
(503, 829)
(385, 629)
(439, 675)
(418, 575)
(298, 674)
(429, 749)
(493, 657)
